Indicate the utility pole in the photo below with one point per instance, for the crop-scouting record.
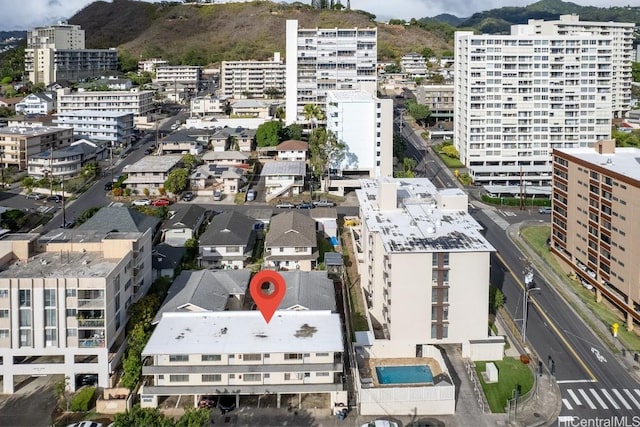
(528, 287)
(111, 161)
(64, 213)
(2, 167)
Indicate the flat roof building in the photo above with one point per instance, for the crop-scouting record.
(253, 79)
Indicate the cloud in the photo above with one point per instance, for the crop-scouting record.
(26, 14)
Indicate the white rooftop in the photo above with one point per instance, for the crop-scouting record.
(93, 113)
(349, 95)
(421, 220)
(625, 161)
(230, 332)
(153, 164)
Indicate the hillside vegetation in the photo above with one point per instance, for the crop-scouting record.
(206, 34)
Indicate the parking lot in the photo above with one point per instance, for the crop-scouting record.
(31, 405)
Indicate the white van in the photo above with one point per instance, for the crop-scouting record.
(217, 195)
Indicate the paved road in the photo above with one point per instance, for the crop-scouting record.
(32, 406)
(592, 381)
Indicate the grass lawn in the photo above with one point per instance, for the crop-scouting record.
(511, 374)
(536, 237)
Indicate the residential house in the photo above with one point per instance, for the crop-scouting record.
(184, 224)
(205, 291)
(37, 103)
(166, 260)
(308, 290)
(239, 139)
(180, 143)
(10, 103)
(292, 150)
(254, 108)
(112, 127)
(236, 353)
(208, 105)
(150, 173)
(228, 241)
(326, 223)
(64, 298)
(283, 178)
(291, 242)
(66, 162)
(227, 158)
(227, 179)
(20, 143)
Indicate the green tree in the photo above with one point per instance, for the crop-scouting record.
(13, 219)
(190, 161)
(496, 299)
(233, 143)
(408, 167)
(420, 112)
(90, 170)
(312, 113)
(138, 416)
(84, 216)
(393, 69)
(127, 62)
(293, 131)
(635, 71)
(450, 151)
(268, 134)
(193, 417)
(280, 113)
(28, 182)
(142, 311)
(436, 78)
(427, 52)
(132, 364)
(325, 151)
(399, 146)
(177, 181)
(192, 249)
(272, 92)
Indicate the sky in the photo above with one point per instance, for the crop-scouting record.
(25, 14)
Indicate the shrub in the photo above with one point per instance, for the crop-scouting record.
(83, 400)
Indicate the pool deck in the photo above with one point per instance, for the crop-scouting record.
(370, 365)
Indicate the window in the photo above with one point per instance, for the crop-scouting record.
(4, 314)
(25, 298)
(322, 354)
(252, 357)
(178, 358)
(4, 333)
(49, 297)
(178, 378)
(292, 356)
(50, 337)
(25, 337)
(322, 374)
(25, 318)
(4, 293)
(211, 358)
(251, 377)
(70, 293)
(72, 332)
(50, 317)
(211, 378)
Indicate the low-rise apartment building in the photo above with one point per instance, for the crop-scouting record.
(66, 162)
(150, 172)
(137, 102)
(208, 105)
(19, 143)
(237, 353)
(283, 178)
(414, 65)
(64, 299)
(293, 150)
(596, 194)
(189, 75)
(253, 79)
(113, 127)
(149, 65)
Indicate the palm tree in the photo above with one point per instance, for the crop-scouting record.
(312, 112)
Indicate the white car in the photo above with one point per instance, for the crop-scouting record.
(141, 202)
(380, 423)
(85, 424)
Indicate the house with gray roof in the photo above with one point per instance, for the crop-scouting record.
(120, 219)
(65, 162)
(238, 138)
(183, 224)
(37, 103)
(182, 142)
(206, 290)
(150, 172)
(283, 178)
(291, 242)
(210, 177)
(227, 158)
(228, 241)
(165, 259)
(308, 290)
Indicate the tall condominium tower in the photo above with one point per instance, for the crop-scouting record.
(319, 60)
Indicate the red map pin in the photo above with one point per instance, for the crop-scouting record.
(265, 298)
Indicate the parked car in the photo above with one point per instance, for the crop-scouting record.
(108, 186)
(323, 204)
(305, 205)
(86, 424)
(161, 202)
(226, 404)
(217, 195)
(188, 196)
(34, 196)
(380, 423)
(68, 224)
(141, 202)
(285, 205)
(148, 151)
(251, 195)
(54, 199)
(544, 210)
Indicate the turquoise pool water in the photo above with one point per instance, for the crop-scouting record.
(413, 374)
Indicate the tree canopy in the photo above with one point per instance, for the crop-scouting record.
(325, 150)
(420, 112)
(268, 134)
(177, 180)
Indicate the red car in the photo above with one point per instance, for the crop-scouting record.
(161, 202)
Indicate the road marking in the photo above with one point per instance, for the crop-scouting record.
(575, 381)
(586, 399)
(633, 399)
(608, 396)
(551, 324)
(574, 397)
(600, 401)
(624, 402)
(567, 404)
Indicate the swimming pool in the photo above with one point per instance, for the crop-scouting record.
(412, 374)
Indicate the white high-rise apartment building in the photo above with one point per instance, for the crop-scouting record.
(137, 102)
(519, 96)
(251, 79)
(319, 60)
(622, 37)
(58, 52)
(365, 125)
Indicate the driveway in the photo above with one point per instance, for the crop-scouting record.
(31, 406)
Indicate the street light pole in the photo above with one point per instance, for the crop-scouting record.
(528, 287)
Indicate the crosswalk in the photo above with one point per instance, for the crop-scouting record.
(601, 398)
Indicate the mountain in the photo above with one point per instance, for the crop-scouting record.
(446, 18)
(201, 34)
